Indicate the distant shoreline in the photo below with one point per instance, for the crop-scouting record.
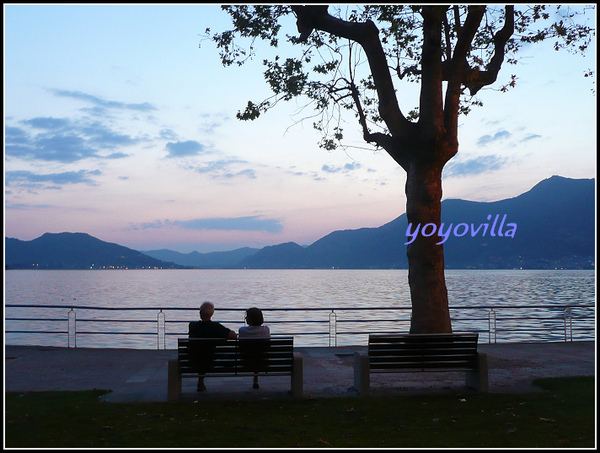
(592, 268)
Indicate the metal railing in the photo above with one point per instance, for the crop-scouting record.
(352, 325)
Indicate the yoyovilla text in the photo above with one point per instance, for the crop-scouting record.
(462, 229)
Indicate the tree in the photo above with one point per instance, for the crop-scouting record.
(451, 51)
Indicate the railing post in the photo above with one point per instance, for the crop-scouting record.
(568, 309)
(332, 328)
(160, 316)
(74, 328)
(491, 315)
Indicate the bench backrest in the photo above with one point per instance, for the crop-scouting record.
(216, 355)
(456, 351)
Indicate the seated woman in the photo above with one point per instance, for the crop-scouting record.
(254, 329)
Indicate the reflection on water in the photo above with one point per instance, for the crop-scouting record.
(477, 299)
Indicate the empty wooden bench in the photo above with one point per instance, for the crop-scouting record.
(409, 353)
(215, 357)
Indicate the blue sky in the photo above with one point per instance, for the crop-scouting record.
(120, 122)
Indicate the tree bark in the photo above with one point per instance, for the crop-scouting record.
(429, 296)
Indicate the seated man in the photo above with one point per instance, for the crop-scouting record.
(206, 328)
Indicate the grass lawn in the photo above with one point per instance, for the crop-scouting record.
(562, 416)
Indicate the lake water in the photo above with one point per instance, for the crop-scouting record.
(151, 308)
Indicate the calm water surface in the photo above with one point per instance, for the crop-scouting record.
(316, 306)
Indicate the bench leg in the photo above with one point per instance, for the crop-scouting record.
(174, 381)
(362, 377)
(478, 378)
(298, 376)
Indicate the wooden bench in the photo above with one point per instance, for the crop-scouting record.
(411, 353)
(215, 357)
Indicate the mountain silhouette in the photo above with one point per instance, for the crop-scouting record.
(554, 221)
(211, 260)
(555, 228)
(75, 251)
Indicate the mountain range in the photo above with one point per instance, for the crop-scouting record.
(76, 251)
(552, 225)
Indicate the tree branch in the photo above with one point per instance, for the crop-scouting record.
(457, 25)
(362, 119)
(430, 102)
(457, 65)
(475, 80)
(366, 34)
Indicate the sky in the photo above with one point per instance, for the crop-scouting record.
(120, 123)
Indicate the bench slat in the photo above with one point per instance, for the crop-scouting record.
(234, 367)
(445, 349)
(409, 345)
(415, 337)
(423, 358)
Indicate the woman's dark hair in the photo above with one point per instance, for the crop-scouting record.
(254, 316)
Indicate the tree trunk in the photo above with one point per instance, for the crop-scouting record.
(430, 311)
